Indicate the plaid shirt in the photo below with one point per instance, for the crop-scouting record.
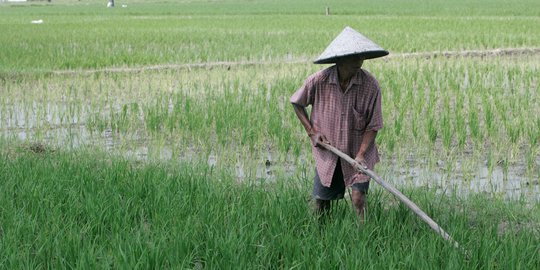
(343, 117)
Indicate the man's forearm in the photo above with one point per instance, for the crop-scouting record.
(303, 117)
(367, 140)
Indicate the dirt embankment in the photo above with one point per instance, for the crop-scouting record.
(474, 53)
(436, 54)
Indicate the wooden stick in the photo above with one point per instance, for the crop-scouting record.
(395, 192)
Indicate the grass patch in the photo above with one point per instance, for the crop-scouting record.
(87, 209)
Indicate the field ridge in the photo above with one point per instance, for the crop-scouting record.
(461, 53)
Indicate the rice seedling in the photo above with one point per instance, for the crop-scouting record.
(105, 211)
(474, 124)
(432, 129)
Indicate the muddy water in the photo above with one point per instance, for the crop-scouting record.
(512, 185)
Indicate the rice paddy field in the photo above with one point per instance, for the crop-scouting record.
(159, 134)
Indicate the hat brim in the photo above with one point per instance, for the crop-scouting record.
(364, 55)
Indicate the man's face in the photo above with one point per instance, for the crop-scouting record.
(351, 64)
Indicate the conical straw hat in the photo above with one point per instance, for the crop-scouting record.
(350, 42)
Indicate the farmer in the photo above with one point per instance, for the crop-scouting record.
(346, 113)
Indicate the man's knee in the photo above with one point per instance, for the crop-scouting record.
(322, 205)
(359, 198)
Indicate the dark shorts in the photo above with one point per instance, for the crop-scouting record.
(336, 190)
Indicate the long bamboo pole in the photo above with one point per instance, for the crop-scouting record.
(395, 192)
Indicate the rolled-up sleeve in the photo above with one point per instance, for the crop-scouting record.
(304, 95)
(376, 118)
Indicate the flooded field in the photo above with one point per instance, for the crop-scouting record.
(511, 182)
(480, 133)
(241, 121)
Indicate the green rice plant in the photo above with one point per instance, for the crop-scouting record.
(414, 126)
(513, 129)
(445, 124)
(432, 129)
(461, 128)
(474, 123)
(95, 210)
(119, 120)
(491, 161)
(488, 117)
(96, 122)
(387, 140)
(533, 134)
(504, 162)
(398, 123)
(446, 131)
(530, 155)
(155, 115)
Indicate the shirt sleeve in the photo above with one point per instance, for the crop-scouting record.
(304, 95)
(376, 119)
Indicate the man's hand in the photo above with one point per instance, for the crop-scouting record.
(361, 162)
(317, 138)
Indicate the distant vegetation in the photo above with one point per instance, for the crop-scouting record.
(86, 34)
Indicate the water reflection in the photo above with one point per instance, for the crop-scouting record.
(512, 185)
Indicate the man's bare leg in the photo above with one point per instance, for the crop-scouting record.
(359, 201)
(322, 209)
